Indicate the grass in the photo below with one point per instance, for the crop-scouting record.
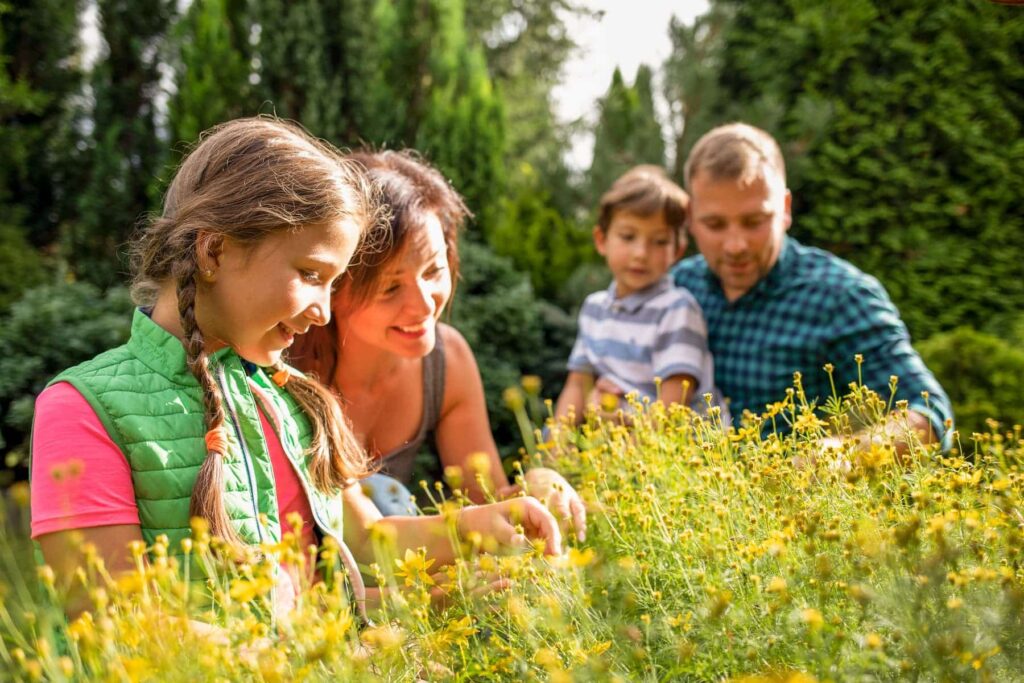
(710, 556)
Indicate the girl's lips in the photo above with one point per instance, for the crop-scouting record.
(287, 334)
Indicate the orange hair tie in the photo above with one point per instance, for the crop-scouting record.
(217, 441)
(281, 377)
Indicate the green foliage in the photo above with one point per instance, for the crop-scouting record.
(212, 68)
(120, 158)
(526, 43)
(51, 328)
(538, 239)
(691, 79)
(510, 331)
(38, 73)
(902, 127)
(21, 267)
(982, 375)
(627, 131)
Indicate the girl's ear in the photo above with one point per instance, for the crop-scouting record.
(209, 247)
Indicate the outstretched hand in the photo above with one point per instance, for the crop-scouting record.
(552, 489)
(513, 523)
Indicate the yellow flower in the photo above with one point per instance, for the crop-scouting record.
(531, 384)
(812, 618)
(413, 568)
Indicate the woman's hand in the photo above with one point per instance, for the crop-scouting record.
(551, 488)
(512, 523)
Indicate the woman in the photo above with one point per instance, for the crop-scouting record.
(196, 416)
(401, 373)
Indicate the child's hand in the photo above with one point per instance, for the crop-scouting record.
(513, 524)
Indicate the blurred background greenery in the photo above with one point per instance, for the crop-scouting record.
(900, 120)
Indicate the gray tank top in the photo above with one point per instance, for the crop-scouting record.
(401, 462)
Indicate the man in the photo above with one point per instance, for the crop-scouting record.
(775, 307)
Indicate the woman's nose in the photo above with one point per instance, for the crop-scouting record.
(421, 299)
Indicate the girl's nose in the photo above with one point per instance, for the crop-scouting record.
(319, 312)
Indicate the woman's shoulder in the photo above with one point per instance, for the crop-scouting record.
(455, 347)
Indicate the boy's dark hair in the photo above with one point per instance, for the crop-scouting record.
(645, 190)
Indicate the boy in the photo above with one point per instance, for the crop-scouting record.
(641, 327)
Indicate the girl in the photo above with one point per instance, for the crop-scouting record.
(402, 374)
(196, 415)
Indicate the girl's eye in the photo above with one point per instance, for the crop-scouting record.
(310, 276)
(389, 290)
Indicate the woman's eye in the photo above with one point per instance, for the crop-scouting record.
(310, 276)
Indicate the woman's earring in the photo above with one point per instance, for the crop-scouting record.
(208, 275)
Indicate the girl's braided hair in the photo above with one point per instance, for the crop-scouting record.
(245, 180)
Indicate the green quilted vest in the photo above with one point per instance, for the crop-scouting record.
(152, 408)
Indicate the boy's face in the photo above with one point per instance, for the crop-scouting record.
(739, 227)
(639, 250)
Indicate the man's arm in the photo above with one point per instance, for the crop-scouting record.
(871, 344)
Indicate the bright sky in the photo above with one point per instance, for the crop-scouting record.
(631, 33)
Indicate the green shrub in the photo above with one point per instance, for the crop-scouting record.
(21, 266)
(52, 327)
(983, 375)
(511, 332)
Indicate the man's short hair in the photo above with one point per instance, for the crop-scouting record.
(735, 151)
(645, 190)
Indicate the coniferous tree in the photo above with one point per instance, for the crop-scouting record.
(526, 43)
(901, 123)
(212, 58)
(122, 157)
(691, 79)
(627, 131)
(38, 72)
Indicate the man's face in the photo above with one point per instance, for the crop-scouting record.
(739, 227)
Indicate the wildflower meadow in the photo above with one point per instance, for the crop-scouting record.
(748, 554)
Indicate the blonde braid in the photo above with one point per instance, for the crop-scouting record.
(208, 494)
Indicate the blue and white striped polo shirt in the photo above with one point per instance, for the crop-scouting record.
(656, 332)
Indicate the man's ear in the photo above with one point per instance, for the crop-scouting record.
(599, 239)
(681, 243)
(209, 247)
(788, 216)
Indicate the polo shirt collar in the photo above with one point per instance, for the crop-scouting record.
(635, 301)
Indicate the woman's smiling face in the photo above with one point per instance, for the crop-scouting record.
(258, 298)
(401, 317)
